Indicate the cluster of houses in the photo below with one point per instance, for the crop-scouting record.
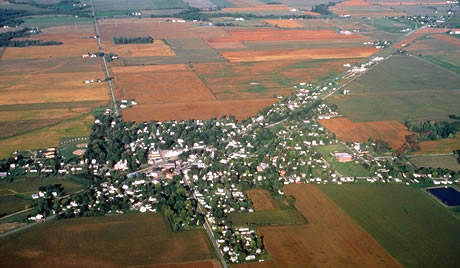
(124, 104)
(92, 81)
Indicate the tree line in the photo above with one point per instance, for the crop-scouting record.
(6, 39)
(133, 40)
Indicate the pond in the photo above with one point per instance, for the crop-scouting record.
(448, 195)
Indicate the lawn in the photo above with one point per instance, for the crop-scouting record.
(268, 217)
(414, 228)
(110, 241)
(402, 88)
(437, 161)
(351, 169)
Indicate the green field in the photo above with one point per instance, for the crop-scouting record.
(16, 195)
(107, 5)
(268, 217)
(111, 241)
(390, 25)
(436, 161)
(402, 88)
(414, 228)
(52, 21)
(350, 169)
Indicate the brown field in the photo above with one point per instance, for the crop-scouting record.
(285, 23)
(157, 28)
(331, 239)
(195, 264)
(298, 54)
(365, 11)
(75, 44)
(50, 65)
(393, 132)
(10, 225)
(446, 38)
(57, 87)
(233, 80)
(354, 3)
(440, 146)
(410, 38)
(417, 3)
(158, 48)
(204, 110)
(226, 45)
(135, 240)
(271, 34)
(148, 87)
(312, 13)
(258, 8)
(242, 3)
(262, 200)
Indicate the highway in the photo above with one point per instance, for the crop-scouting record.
(107, 73)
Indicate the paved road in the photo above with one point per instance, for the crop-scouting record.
(107, 73)
(16, 213)
(27, 226)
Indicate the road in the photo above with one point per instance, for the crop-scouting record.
(206, 226)
(27, 226)
(107, 73)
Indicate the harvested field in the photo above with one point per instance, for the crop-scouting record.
(354, 3)
(226, 45)
(420, 32)
(393, 132)
(416, 3)
(312, 13)
(57, 87)
(264, 78)
(285, 23)
(9, 225)
(440, 146)
(448, 161)
(271, 34)
(157, 28)
(140, 239)
(158, 48)
(152, 68)
(262, 200)
(259, 8)
(331, 239)
(366, 11)
(448, 39)
(148, 87)
(204, 110)
(196, 264)
(316, 53)
(50, 65)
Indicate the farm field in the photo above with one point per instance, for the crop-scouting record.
(158, 48)
(440, 146)
(262, 200)
(268, 218)
(330, 239)
(44, 96)
(418, 90)
(402, 220)
(346, 169)
(393, 132)
(109, 5)
(436, 161)
(419, 33)
(140, 239)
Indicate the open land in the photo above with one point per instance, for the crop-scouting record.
(126, 240)
(439, 146)
(418, 90)
(330, 239)
(351, 168)
(402, 220)
(158, 48)
(285, 23)
(393, 132)
(43, 89)
(262, 200)
(448, 161)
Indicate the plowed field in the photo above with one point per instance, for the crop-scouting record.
(331, 239)
(261, 199)
(410, 38)
(285, 23)
(448, 39)
(298, 54)
(393, 132)
(354, 3)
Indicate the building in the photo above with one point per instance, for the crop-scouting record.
(343, 157)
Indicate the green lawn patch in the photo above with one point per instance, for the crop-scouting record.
(349, 169)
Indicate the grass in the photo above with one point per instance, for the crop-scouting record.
(446, 65)
(256, 89)
(415, 229)
(402, 88)
(390, 25)
(268, 218)
(437, 161)
(68, 145)
(51, 21)
(10, 204)
(439, 146)
(113, 241)
(351, 169)
(126, 5)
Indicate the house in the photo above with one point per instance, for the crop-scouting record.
(343, 157)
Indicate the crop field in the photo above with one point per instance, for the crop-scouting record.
(263, 79)
(155, 87)
(393, 132)
(436, 161)
(267, 218)
(285, 23)
(346, 169)
(52, 21)
(419, 33)
(105, 5)
(365, 11)
(158, 48)
(262, 200)
(407, 222)
(256, 8)
(439, 146)
(331, 239)
(418, 90)
(140, 239)
(299, 54)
